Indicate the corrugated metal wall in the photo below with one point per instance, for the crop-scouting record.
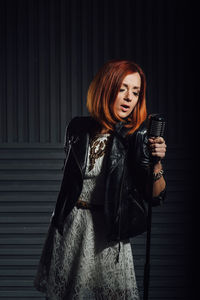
(50, 51)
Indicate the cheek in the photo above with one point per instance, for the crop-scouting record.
(134, 103)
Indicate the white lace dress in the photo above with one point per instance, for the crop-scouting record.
(83, 264)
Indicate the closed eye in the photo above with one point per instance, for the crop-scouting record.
(134, 93)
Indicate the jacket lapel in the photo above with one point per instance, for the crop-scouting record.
(118, 147)
(80, 136)
(80, 150)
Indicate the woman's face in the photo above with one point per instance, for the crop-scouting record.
(128, 95)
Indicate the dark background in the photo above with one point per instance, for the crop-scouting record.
(49, 53)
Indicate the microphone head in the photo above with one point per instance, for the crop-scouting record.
(156, 125)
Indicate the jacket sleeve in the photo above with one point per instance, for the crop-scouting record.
(67, 142)
(59, 202)
(143, 166)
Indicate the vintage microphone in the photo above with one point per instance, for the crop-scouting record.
(156, 125)
(155, 128)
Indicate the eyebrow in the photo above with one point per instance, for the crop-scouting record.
(134, 88)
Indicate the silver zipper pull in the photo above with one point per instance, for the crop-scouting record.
(72, 141)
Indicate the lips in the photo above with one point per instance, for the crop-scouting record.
(125, 107)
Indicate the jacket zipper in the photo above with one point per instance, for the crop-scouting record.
(119, 226)
(139, 206)
(115, 165)
(70, 142)
(73, 142)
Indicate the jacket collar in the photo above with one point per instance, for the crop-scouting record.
(80, 143)
(118, 147)
(120, 132)
(80, 134)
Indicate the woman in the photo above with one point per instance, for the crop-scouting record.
(87, 254)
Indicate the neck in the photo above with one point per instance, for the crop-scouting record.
(104, 130)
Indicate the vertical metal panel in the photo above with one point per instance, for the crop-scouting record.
(44, 68)
(33, 75)
(64, 67)
(10, 47)
(52, 49)
(3, 66)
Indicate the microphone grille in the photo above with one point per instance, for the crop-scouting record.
(156, 125)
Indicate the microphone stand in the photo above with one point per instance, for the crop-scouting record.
(148, 238)
(156, 126)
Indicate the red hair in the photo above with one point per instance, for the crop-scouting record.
(103, 91)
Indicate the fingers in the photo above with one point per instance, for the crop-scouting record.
(157, 147)
(158, 154)
(158, 140)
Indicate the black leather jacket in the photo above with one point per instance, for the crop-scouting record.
(127, 173)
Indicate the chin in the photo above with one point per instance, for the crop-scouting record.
(123, 116)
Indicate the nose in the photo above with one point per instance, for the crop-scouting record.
(128, 96)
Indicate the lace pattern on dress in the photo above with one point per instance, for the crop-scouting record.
(83, 264)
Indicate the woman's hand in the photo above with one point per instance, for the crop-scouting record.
(157, 147)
